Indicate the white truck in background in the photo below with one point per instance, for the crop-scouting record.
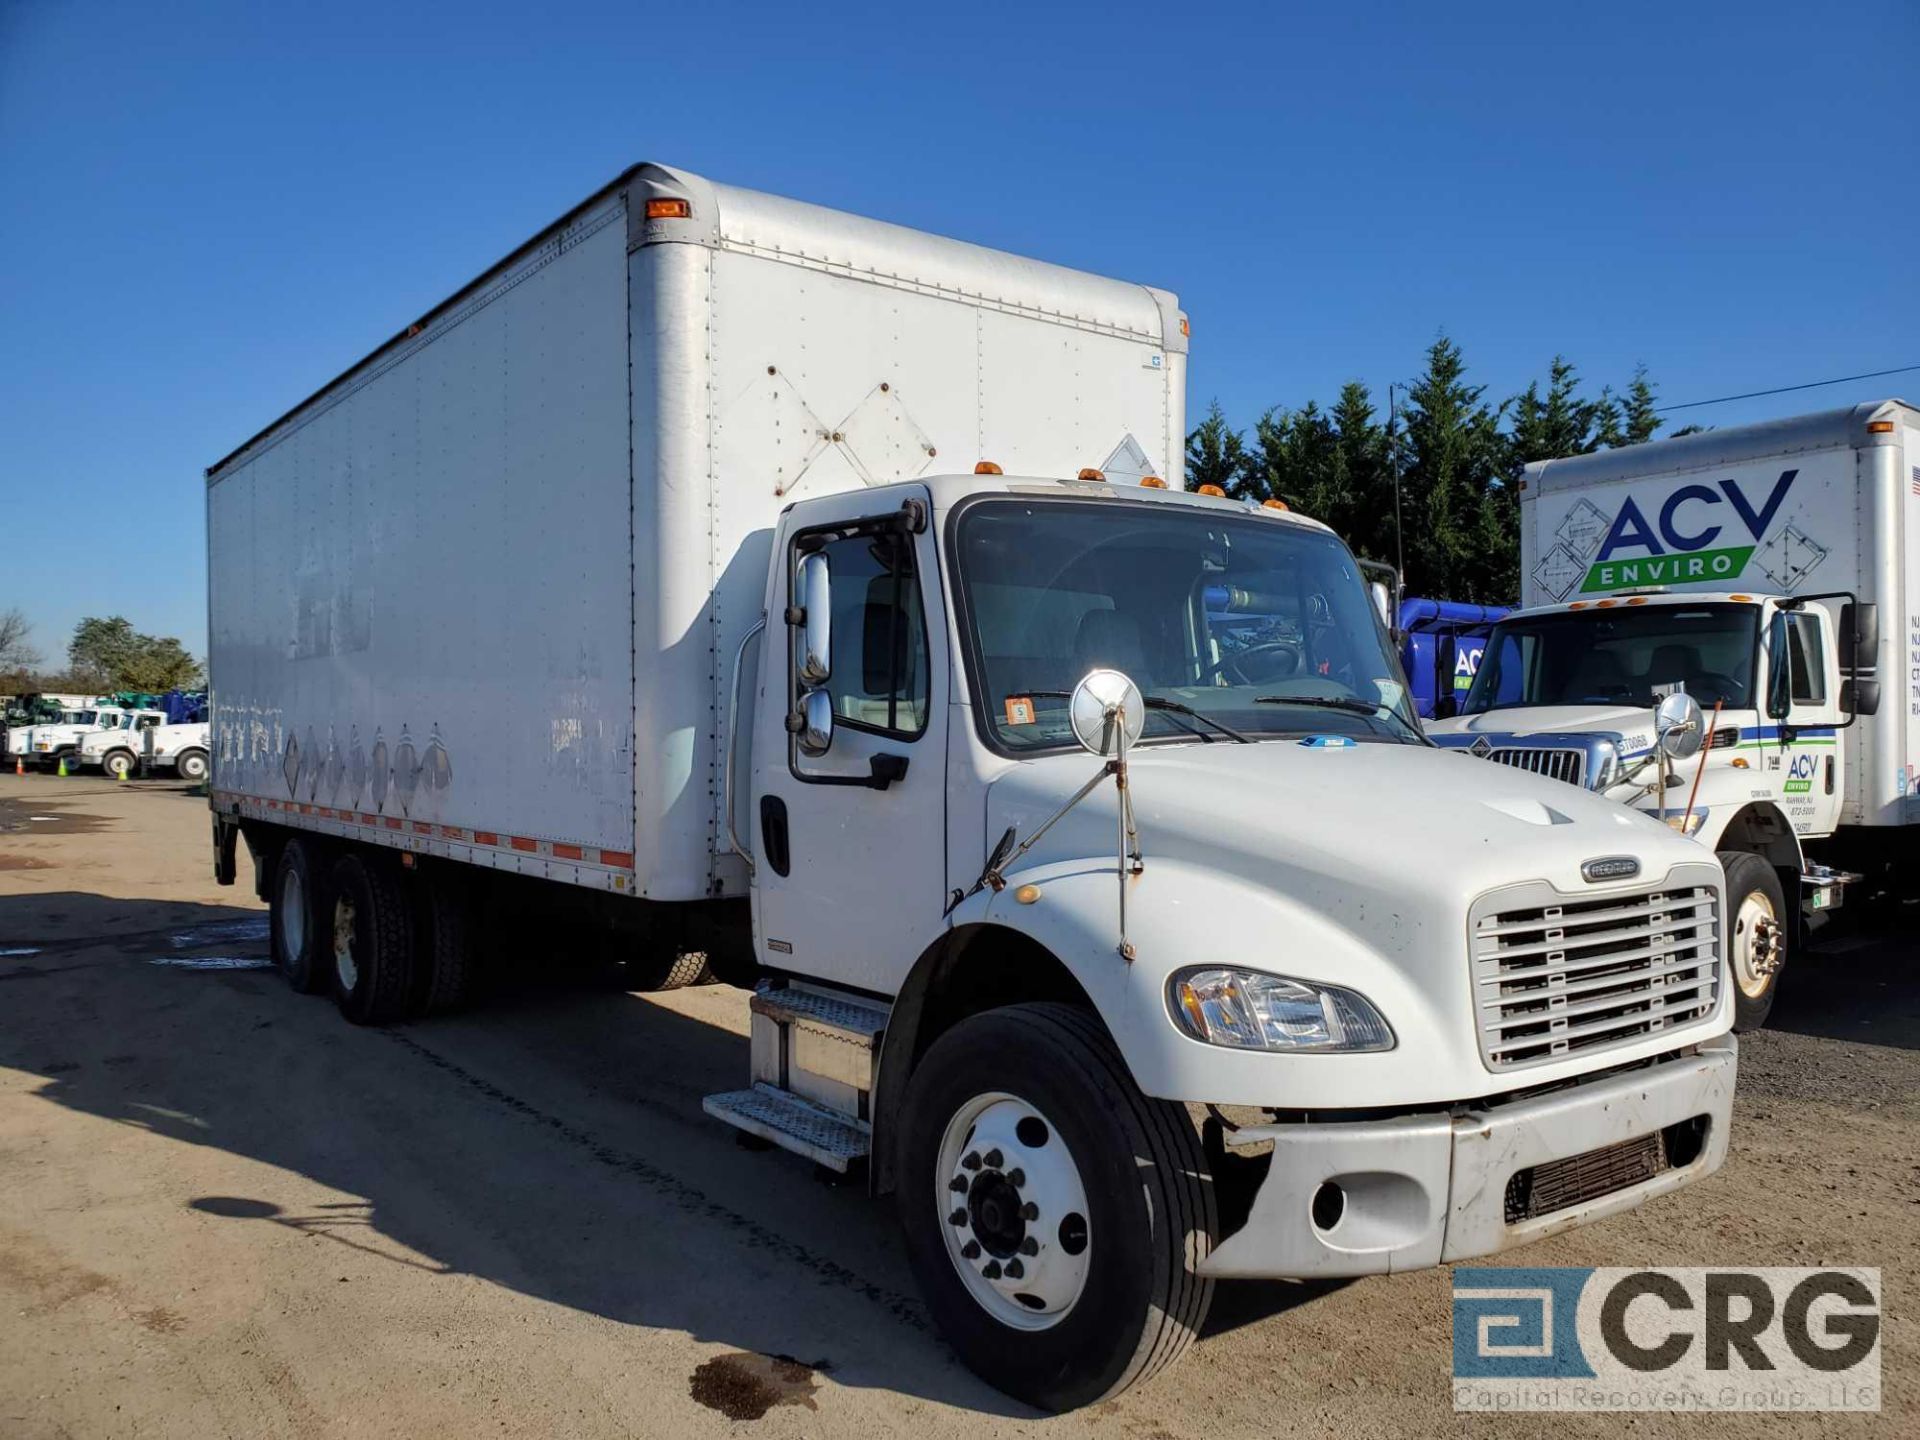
(818, 599)
(46, 743)
(146, 738)
(1761, 581)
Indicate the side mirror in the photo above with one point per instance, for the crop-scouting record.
(1679, 724)
(815, 733)
(1859, 634)
(1107, 713)
(813, 593)
(1382, 601)
(1779, 669)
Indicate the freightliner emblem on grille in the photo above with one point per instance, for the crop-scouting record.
(1610, 867)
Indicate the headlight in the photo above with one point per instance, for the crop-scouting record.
(1248, 1010)
(1687, 824)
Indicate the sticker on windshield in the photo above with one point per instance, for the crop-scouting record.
(1019, 710)
(1329, 742)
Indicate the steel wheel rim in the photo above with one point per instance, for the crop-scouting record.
(1756, 945)
(293, 915)
(344, 964)
(1012, 1209)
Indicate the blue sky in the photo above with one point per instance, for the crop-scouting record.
(208, 209)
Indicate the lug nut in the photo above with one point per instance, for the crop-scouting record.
(991, 1270)
(958, 1184)
(971, 1162)
(1015, 1270)
(995, 1159)
(1029, 1246)
(970, 1250)
(958, 1217)
(1029, 1211)
(1016, 1177)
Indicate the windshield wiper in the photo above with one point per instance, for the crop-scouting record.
(1157, 702)
(1352, 704)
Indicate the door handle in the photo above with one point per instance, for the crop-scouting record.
(775, 844)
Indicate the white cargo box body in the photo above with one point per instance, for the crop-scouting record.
(481, 595)
(1806, 506)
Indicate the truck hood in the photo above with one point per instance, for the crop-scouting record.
(1631, 724)
(1362, 834)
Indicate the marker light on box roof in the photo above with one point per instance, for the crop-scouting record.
(1210, 490)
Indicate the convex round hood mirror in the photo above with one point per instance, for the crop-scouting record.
(1680, 726)
(1106, 706)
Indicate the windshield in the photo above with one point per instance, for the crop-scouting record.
(1260, 625)
(1619, 657)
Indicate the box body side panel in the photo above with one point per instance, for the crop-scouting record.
(420, 590)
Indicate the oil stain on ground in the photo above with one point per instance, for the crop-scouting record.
(744, 1386)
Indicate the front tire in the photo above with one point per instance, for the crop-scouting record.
(1013, 1115)
(119, 764)
(372, 942)
(192, 765)
(1757, 943)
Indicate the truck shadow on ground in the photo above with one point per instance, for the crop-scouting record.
(1858, 987)
(552, 1141)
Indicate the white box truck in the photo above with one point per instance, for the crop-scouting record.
(818, 600)
(1764, 572)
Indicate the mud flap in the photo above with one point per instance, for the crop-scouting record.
(226, 837)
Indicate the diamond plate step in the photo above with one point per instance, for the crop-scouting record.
(834, 1141)
(831, 1012)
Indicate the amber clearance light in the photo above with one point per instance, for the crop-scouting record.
(669, 209)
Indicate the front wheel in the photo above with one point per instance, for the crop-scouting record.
(193, 765)
(119, 764)
(1055, 1217)
(1757, 946)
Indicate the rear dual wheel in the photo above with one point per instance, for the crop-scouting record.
(371, 939)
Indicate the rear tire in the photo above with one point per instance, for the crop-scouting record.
(298, 901)
(371, 934)
(672, 969)
(444, 941)
(1758, 935)
(1104, 1298)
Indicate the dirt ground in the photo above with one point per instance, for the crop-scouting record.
(224, 1211)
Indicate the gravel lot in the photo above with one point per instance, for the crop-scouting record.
(224, 1211)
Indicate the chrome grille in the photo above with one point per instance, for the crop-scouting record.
(1570, 977)
(1567, 765)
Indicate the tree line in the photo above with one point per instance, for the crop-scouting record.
(1459, 456)
(106, 654)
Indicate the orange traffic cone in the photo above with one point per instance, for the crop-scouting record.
(19, 766)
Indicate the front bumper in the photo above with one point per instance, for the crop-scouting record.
(1416, 1191)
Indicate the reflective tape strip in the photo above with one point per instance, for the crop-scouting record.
(565, 850)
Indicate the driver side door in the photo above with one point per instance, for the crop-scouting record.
(848, 838)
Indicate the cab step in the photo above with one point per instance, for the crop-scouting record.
(813, 1054)
(822, 1135)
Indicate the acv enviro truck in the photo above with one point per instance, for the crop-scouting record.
(1757, 583)
(817, 600)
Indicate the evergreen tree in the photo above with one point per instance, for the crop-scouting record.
(1454, 451)
(1216, 453)
(1638, 421)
